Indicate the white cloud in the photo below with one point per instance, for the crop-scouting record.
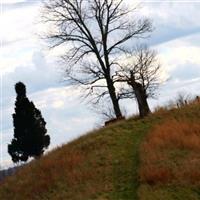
(172, 13)
(15, 27)
(13, 1)
(58, 104)
(181, 55)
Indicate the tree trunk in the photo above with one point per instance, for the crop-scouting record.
(111, 90)
(144, 109)
(141, 98)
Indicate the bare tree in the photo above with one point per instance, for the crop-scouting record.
(182, 99)
(141, 74)
(96, 33)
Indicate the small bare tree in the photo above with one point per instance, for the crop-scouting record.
(96, 33)
(141, 75)
(182, 99)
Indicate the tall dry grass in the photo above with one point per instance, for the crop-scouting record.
(171, 153)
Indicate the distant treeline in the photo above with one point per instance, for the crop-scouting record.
(8, 172)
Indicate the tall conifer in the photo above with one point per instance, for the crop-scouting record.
(30, 134)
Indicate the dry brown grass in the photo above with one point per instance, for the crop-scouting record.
(95, 166)
(170, 153)
(104, 164)
(71, 170)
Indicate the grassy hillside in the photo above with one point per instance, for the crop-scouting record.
(157, 158)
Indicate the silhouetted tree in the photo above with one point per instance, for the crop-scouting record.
(30, 138)
(96, 33)
(141, 73)
(182, 99)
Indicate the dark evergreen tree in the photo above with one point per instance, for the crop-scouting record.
(30, 135)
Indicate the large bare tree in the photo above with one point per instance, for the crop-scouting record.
(142, 75)
(95, 33)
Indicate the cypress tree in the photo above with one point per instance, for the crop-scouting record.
(30, 134)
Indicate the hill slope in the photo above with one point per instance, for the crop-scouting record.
(109, 164)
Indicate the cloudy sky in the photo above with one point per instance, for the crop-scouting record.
(24, 57)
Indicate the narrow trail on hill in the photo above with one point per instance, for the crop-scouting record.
(126, 181)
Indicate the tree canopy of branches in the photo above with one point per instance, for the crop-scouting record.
(141, 74)
(30, 138)
(96, 32)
